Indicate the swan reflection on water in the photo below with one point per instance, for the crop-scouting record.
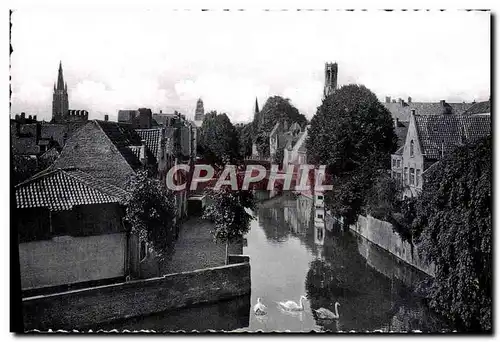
(296, 314)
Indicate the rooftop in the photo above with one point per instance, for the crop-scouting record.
(402, 110)
(440, 134)
(62, 189)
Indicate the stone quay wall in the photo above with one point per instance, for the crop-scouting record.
(88, 307)
(382, 234)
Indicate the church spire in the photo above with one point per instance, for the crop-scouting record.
(256, 109)
(60, 103)
(60, 79)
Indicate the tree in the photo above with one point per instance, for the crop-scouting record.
(227, 209)
(218, 139)
(151, 212)
(359, 133)
(278, 157)
(276, 109)
(245, 140)
(384, 198)
(453, 228)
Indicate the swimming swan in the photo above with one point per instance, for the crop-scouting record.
(327, 314)
(259, 308)
(292, 306)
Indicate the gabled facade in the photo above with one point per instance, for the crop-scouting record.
(295, 151)
(109, 151)
(429, 139)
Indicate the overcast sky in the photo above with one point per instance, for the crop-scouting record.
(165, 60)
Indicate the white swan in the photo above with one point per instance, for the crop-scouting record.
(292, 306)
(259, 308)
(327, 314)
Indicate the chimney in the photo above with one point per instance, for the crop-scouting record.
(409, 99)
(23, 115)
(17, 117)
(442, 102)
(161, 111)
(387, 99)
(30, 117)
(34, 117)
(106, 117)
(413, 112)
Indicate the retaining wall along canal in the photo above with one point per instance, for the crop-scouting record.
(382, 234)
(86, 307)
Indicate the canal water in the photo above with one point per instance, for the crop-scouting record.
(291, 255)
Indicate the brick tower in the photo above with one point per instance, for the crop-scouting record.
(331, 72)
(60, 103)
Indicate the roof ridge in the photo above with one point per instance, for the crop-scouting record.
(37, 176)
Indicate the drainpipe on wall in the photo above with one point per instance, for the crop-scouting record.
(127, 251)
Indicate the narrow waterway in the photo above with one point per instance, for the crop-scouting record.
(292, 255)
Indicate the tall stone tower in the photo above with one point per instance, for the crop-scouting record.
(331, 72)
(199, 113)
(60, 103)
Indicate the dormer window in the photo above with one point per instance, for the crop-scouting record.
(411, 148)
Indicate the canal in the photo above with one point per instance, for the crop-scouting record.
(292, 255)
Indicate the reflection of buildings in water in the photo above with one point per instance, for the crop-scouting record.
(272, 222)
(319, 234)
(299, 217)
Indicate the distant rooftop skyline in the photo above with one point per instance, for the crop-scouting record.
(166, 60)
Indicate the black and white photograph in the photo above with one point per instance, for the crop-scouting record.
(250, 170)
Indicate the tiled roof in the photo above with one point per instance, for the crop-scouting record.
(26, 142)
(102, 150)
(442, 133)
(61, 189)
(152, 137)
(123, 136)
(162, 118)
(479, 108)
(54, 131)
(402, 110)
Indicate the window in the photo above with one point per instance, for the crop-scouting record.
(405, 176)
(399, 163)
(393, 162)
(320, 197)
(411, 148)
(412, 176)
(418, 177)
(320, 216)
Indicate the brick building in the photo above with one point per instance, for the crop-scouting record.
(431, 137)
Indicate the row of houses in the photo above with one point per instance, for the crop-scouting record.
(426, 131)
(69, 216)
(432, 132)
